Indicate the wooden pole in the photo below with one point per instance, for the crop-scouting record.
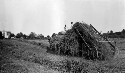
(104, 38)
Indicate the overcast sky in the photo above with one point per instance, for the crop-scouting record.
(49, 16)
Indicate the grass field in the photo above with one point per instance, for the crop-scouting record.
(26, 57)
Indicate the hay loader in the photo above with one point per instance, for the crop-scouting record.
(83, 40)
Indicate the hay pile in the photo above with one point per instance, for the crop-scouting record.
(83, 41)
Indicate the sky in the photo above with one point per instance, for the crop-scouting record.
(49, 16)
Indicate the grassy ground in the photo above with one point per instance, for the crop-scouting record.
(28, 57)
(21, 57)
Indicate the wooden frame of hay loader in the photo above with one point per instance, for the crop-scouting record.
(83, 40)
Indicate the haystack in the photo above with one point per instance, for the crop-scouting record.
(83, 40)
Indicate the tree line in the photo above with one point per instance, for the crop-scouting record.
(21, 35)
(32, 35)
(111, 34)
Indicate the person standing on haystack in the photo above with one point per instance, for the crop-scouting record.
(65, 28)
(64, 37)
(71, 24)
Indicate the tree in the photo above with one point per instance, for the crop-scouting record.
(12, 35)
(123, 31)
(49, 38)
(19, 35)
(40, 36)
(1, 36)
(111, 32)
(53, 35)
(32, 35)
(25, 36)
(108, 32)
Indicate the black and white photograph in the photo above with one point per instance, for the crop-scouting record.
(62, 36)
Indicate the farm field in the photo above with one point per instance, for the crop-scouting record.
(25, 57)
